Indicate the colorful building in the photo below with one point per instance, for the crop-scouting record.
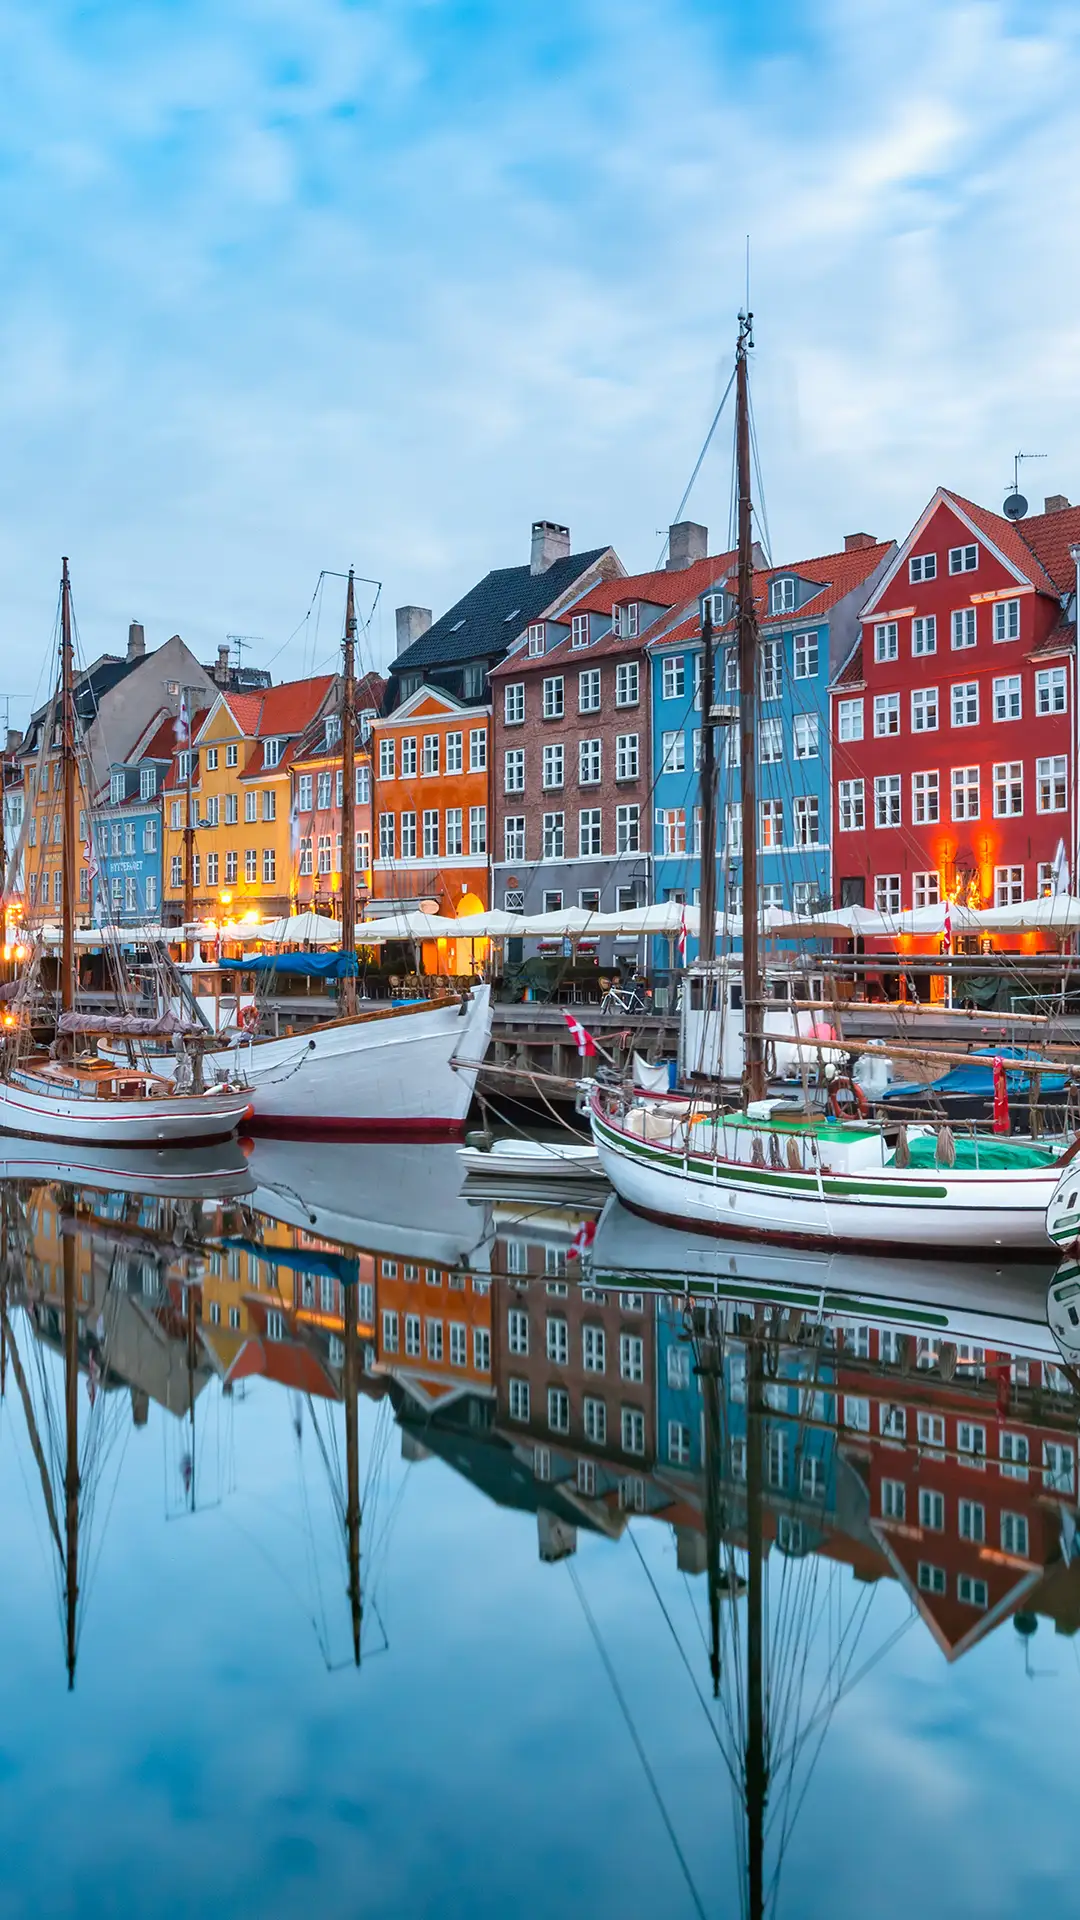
(316, 779)
(126, 887)
(954, 715)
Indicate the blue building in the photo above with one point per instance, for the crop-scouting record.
(127, 887)
(808, 614)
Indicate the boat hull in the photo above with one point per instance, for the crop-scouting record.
(34, 1114)
(941, 1210)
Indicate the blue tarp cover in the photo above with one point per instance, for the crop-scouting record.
(338, 1265)
(311, 966)
(979, 1078)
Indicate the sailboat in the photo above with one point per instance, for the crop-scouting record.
(779, 1170)
(385, 1072)
(85, 1097)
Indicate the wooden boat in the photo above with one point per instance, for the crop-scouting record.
(533, 1160)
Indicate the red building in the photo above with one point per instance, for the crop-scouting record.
(953, 721)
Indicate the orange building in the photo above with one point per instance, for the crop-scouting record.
(316, 774)
(431, 804)
(433, 1328)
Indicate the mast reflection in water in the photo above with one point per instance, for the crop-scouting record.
(774, 1503)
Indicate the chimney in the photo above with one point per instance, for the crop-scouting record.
(1056, 503)
(136, 641)
(410, 622)
(221, 671)
(550, 542)
(14, 740)
(857, 542)
(687, 542)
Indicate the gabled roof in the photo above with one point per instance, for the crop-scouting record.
(370, 689)
(425, 696)
(660, 588)
(837, 575)
(1001, 535)
(1051, 535)
(493, 613)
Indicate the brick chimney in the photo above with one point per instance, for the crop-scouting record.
(1056, 503)
(550, 542)
(687, 542)
(856, 542)
(221, 671)
(14, 740)
(136, 641)
(410, 622)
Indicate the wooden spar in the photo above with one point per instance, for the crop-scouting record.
(926, 1010)
(887, 1051)
(71, 1469)
(753, 1038)
(192, 1353)
(189, 832)
(709, 1368)
(67, 799)
(757, 1778)
(352, 1469)
(707, 935)
(348, 797)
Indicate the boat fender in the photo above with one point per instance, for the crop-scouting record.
(843, 1083)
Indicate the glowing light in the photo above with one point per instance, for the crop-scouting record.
(9, 1019)
(20, 953)
(225, 899)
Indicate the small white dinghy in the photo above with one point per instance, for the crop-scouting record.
(533, 1159)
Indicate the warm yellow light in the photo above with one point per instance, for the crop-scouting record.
(226, 899)
(251, 919)
(9, 1019)
(20, 953)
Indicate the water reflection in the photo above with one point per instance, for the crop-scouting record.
(809, 1434)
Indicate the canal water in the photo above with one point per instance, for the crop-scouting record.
(375, 1546)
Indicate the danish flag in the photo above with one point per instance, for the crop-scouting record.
(90, 856)
(682, 935)
(183, 724)
(582, 1240)
(583, 1040)
(948, 925)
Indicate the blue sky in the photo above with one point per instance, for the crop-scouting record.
(289, 283)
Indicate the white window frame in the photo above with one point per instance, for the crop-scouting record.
(886, 641)
(964, 559)
(886, 711)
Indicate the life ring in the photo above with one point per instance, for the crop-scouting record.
(844, 1084)
(249, 1017)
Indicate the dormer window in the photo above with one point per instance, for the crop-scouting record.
(147, 783)
(536, 638)
(625, 620)
(472, 681)
(333, 731)
(712, 608)
(410, 684)
(579, 629)
(184, 764)
(116, 789)
(364, 723)
(782, 594)
(271, 752)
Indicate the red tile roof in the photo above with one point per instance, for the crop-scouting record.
(288, 1364)
(162, 744)
(1009, 540)
(838, 574)
(1051, 535)
(661, 588)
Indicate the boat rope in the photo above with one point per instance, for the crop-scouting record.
(694, 1682)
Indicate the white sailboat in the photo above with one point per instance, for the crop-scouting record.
(779, 1170)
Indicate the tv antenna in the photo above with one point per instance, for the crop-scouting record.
(1015, 505)
(242, 640)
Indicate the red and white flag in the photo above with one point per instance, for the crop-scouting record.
(583, 1040)
(948, 925)
(183, 723)
(582, 1240)
(90, 856)
(682, 934)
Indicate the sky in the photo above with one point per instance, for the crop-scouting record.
(294, 284)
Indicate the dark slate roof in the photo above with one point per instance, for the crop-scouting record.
(91, 685)
(484, 612)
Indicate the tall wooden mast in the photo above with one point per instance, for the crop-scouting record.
(754, 1076)
(189, 830)
(352, 1466)
(348, 796)
(755, 1758)
(707, 893)
(69, 776)
(71, 1467)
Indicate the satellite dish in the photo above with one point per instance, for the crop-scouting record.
(1015, 507)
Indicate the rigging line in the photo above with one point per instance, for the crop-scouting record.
(624, 1706)
(713, 1728)
(319, 1601)
(759, 504)
(700, 460)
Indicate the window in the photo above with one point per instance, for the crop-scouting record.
(435, 1339)
(973, 1593)
(1007, 697)
(477, 750)
(772, 823)
(673, 746)
(931, 1510)
(481, 1350)
(782, 595)
(593, 1349)
(931, 1579)
(176, 872)
(678, 1443)
(806, 820)
(430, 762)
(849, 719)
(805, 648)
(887, 810)
(925, 804)
(514, 770)
(251, 863)
(363, 786)
(924, 710)
(673, 677)
(1051, 695)
(386, 759)
(553, 698)
(589, 833)
(303, 793)
(1057, 1467)
(631, 1357)
(519, 1400)
(305, 855)
(770, 741)
(558, 1410)
(971, 1443)
(924, 635)
(887, 641)
(851, 795)
(514, 704)
(232, 753)
(536, 638)
(386, 836)
(594, 1414)
(454, 743)
(925, 889)
(886, 714)
(678, 1367)
(453, 831)
(887, 892)
(517, 1329)
(772, 669)
(1013, 1454)
(408, 836)
(553, 766)
(269, 865)
(670, 830)
(1052, 784)
(211, 869)
(963, 628)
(589, 763)
(965, 793)
(1014, 1534)
(175, 818)
(558, 1340)
(554, 836)
(922, 566)
(151, 892)
(806, 736)
(963, 559)
(627, 830)
(514, 837)
(477, 830)
(1008, 885)
(1006, 619)
(431, 833)
(251, 807)
(626, 683)
(1009, 788)
(633, 1430)
(973, 1521)
(579, 630)
(148, 782)
(893, 1422)
(389, 1331)
(626, 756)
(965, 703)
(588, 690)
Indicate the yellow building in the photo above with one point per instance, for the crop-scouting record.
(239, 790)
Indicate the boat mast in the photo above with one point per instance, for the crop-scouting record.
(348, 797)
(189, 837)
(67, 799)
(352, 1466)
(756, 1771)
(71, 1420)
(707, 890)
(754, 1074)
